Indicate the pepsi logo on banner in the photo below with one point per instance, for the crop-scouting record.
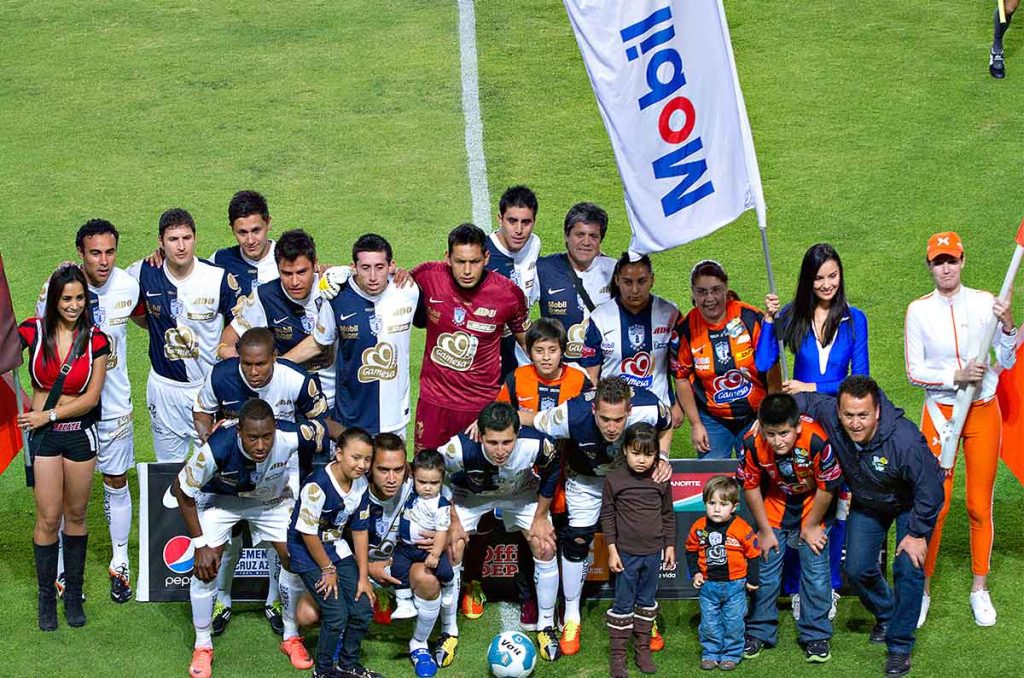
(179, 555)
(678, 117)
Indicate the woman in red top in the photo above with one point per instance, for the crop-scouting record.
(63, 437)
(717, 383)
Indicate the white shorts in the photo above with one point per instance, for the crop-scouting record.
(516, 512)
(583, 499)
(116, 452)
(218, 516)
(170, 411)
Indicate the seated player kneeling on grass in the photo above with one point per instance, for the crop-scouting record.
(639, 526)
(722, 557)
(498, 473)
(240, 474)
(790, 478)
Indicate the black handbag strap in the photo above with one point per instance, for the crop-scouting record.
(580, 289)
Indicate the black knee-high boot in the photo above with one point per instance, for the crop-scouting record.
(46, 574)
(74, 576)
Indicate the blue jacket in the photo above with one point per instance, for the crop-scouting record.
(849, 353)
(893, 473)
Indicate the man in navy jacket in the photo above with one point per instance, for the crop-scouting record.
(893, 478)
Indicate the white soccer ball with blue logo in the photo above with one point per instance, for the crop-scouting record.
(511, 655)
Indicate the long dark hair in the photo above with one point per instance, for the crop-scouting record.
(800, 319)
(55, 288)
(625, 260)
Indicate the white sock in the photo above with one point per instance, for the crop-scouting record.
(117, 508)
(573, 575)
(202, 595)
(60, 547)
(275, 570)
(545, 578)
(226, 573)
(450, 603)
(291, 590)
(428, 612)
(404, 594)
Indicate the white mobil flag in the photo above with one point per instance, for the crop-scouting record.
(666, 84)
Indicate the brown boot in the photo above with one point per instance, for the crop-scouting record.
(643, 620)
(620, 628)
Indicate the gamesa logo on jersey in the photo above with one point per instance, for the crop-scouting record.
(179, 554)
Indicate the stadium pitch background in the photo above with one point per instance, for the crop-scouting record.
(875, 125)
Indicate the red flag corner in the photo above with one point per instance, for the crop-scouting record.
(1011, 403)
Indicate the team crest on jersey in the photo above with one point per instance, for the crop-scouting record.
(455, 350)
(380, 363)
(99, 315)
(722, 352)
(636, 336)
(459, 316)
(580, 304)
(177, 308)
(375, 324)
(516, 277)
(548, 403)
(308, 323)
(879, 463)
(255, 283)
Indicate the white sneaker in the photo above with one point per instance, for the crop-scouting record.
(404, 609)
(981, 605)
(926, 602)
(834, 610)
(795, 600)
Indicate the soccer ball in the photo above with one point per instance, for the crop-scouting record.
(511, 655)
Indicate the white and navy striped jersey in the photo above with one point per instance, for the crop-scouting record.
(325, 510)
(591, 454)
(470, 472)
(371, 340)
(634, 347)
(112, 306)
(420, 515)
(292, 392)
(250, 274)
(221, 466)
(290, 321)
(519, 267)
(560, 301)
(185, 317)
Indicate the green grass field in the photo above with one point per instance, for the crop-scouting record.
(875, 123)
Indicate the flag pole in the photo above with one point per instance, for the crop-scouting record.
(18, 395)
(965, 396)
(762, 225)
(1001, 4)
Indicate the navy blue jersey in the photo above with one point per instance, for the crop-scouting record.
(185, 318)
(560, 301)
(591, 454)
(325, 510)
(250, 274)
(292, 392)
(532, 467)
(221, 466)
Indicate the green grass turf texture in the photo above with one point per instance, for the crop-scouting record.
(875, 124)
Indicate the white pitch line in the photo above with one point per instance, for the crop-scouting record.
(477, 163)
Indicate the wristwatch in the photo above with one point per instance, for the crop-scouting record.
(53, 415)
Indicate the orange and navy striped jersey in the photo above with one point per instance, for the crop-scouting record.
(789, 482)
(723, 551)
(527, 390)
(719, 361)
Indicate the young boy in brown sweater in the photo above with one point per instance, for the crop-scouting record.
(640, 530)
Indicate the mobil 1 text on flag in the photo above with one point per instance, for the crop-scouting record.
(666, 86)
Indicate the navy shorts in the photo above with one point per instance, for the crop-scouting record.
(407, 554)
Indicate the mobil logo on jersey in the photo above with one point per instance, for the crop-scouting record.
(677, 151)
(637, 370)
(179, 556)
(731, 386)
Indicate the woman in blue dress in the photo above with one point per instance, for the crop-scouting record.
(829, 341)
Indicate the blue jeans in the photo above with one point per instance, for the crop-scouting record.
(836, 546)
(725, 441)
(899, 607)
(638, 583)
(723, 604)
(343, 620)
(815, 592)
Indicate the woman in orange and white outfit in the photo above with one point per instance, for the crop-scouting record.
(943, 332)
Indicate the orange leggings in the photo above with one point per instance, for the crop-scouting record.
(981, 439)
